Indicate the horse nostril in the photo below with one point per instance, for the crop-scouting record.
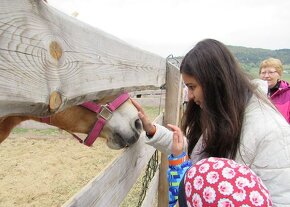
(138, 124)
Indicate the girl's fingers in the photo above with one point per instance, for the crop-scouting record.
(173, 127)
(175, 138)
(177, 142)
(176, 132)
(137, 105)
(147, 125)
(141, 113)
(141, 116)
(177, 146)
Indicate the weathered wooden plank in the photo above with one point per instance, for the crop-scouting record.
(173, 95)
(113, 184)
(43, 50)
(152, 191)
(172, 111)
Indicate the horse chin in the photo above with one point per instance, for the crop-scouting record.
(115, 145)
(118, 142)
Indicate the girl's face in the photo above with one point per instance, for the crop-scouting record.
(195, 92)
(270, 75)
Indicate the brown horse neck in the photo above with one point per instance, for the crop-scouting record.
(8, 123)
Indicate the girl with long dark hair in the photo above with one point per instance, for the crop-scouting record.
(228, 116)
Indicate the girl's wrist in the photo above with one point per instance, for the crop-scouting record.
(178, 155)
(177, 160)
(182, 154)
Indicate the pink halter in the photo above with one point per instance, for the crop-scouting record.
(104, 113)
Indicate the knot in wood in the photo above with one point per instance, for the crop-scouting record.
(55, 50)
(54, 101)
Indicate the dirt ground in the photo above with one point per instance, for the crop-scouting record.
(47, 167)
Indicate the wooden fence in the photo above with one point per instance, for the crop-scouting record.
(50, 61)
(121, 175)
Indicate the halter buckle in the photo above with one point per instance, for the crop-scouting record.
(105, 113)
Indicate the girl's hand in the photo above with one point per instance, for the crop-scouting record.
(178, 140)
(148, 127)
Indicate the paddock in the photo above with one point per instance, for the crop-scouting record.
(52, 167)
(45, 168)
(82, 55)
(47, 159)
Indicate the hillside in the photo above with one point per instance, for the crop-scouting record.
(250, 58)
(255, 55)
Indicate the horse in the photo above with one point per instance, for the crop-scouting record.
(113, 117)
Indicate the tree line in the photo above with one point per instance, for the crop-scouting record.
(254, 56)
(250, 58)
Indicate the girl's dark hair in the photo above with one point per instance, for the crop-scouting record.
(226, 90)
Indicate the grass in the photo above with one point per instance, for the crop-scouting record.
(19, 131)
(133, 196)
(152, 112)
(286, 77)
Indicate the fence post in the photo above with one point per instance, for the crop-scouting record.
(172, 114)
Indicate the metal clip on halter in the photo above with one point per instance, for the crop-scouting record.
(105, 113)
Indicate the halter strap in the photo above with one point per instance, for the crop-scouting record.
(104, 113)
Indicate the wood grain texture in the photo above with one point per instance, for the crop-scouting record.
(43, 50)
(172, 111)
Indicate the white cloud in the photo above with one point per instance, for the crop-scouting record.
(173, 26)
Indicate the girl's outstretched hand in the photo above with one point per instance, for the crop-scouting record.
(148, 127)
(178, 140)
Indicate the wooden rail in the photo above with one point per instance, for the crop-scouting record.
(120, 176)
(113, 184)
(50, 61)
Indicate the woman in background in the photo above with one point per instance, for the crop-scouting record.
(278, 90)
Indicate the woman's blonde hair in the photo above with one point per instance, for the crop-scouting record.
(272, 62)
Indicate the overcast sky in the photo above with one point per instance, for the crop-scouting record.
(167, 27)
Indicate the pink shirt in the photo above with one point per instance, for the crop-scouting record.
(281, 99)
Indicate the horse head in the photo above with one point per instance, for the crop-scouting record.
(121, 126)
(113, 118)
